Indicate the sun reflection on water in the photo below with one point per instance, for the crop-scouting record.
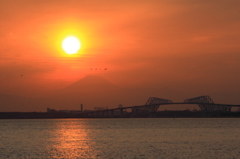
(70, 140)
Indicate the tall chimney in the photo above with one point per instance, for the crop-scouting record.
(81, 107)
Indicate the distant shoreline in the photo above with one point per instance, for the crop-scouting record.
(159, 114)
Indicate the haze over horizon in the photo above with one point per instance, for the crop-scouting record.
(167, 49)
(95, 91)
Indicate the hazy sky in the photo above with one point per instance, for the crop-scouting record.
(184, 45)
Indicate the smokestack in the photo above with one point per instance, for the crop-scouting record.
(81, 107)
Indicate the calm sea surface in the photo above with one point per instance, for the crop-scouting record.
(144, 138)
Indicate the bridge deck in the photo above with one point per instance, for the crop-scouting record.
(139, 106)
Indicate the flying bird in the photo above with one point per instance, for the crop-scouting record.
(99, 69)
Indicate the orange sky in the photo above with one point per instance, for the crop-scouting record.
(185, 45)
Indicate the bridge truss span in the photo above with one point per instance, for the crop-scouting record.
(200, 99)
(157, 101)
(207, 104)
(153, 103)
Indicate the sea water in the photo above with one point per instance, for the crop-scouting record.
(125, 138)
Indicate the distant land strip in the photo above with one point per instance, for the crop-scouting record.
(159, 114)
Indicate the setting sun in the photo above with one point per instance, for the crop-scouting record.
(71, 45)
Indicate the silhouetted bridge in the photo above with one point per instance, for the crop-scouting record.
(205, 103)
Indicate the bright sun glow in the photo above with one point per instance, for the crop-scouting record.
(71, 45)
